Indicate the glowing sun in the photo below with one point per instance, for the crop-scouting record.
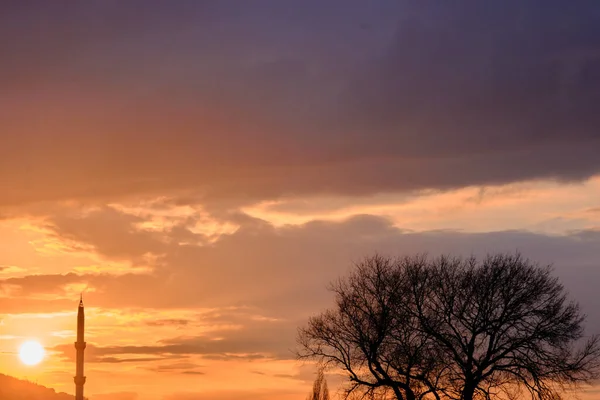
(31, 352)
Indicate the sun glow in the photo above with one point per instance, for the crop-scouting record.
(31, 352)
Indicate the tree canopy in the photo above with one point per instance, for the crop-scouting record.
(453, 328)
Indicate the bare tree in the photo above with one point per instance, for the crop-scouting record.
(370, 334)
(451, 328)
(503, 323)
(320, 391)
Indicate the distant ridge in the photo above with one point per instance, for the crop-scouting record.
(17, 389)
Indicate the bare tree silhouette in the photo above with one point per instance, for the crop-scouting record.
(371, 333)
(452, 328)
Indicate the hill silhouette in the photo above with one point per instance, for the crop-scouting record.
(17, 389)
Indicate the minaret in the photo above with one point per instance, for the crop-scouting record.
(80, 346)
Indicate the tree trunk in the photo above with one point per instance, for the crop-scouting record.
(468, 391)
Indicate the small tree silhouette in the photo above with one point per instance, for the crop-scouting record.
(320, 391)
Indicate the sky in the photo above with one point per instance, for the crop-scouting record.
(201, 170)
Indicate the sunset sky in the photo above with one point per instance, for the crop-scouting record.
(201, 170)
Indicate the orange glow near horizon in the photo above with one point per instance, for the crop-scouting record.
(148, 341)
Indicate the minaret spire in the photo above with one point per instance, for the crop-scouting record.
(80, 347)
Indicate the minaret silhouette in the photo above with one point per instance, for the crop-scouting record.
(80, 347)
